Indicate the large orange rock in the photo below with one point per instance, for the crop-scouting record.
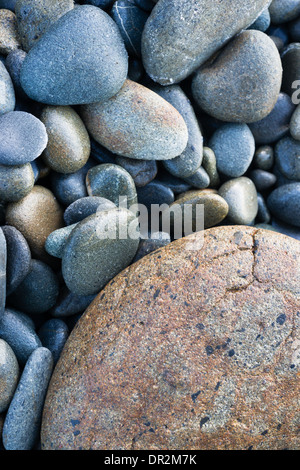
(187, 349)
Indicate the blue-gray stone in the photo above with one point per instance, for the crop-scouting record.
(135, 69)
(264, 158)
(287, 159)
(15, 182)
(3, 265)
(9, 374)
(100, 153)
(200, 179)
(263, 213)
(295, 124)
(153, 242)
(286, 229)
(209, 164)
(142, 171)
(23, 419)
(284, 203)
(155, 193)
(147, 5)
(84, 49)
(13, 63)
(290, 58)
(104, 4)
(8, 4)
(86, 206)
(17, 330)
(69, 304)
(263, 22)
(7, 92)
(262, 179)
(53, 335)
(56, 241)
(282, 11)
(241, 197)
(177, 185)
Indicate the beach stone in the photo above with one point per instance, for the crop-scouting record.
(137, 123)
(35, 18)
(70, 187)
(3, 267)
(177, 185)
(7, 100)
(223, 311)
(142, 171)
(286, 229)
(15, 182)
(146, 5)
(69, 304)
(9, 37)
(36, 216)
(100, 153)
(294, 30)
(105, 4)
(254, 60)
(13, 63)
(276, 125)
(209, 164)
(263, 213)
(284, 203)
(154, 241)
(83, 48)
(86, 206)
(98, 249)
(57, 240)
(23, 138)
(262, 23)
(200, 179)
(234, 148)
(241, 197)
(9, 374)
(155, 193)
(23, 419)
(262, 179)
(290, 58)
(53, 335)
(295, 124)
(17, 329)
(9, 4)
(282, 11)
(18, 258)
(264, 157)
(204, 28)
(135, 69)
(287, 157)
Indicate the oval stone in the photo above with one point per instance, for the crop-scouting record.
(287, 157)
(137, 123)
(204, 28)
(282, 11)
(241, 197)
(253, 59)
(9, 374)
(15, 182)
(7, 95)
(284, 203)
(212, 349)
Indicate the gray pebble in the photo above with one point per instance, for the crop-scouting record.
(209, 164)
(287, 157)
(142, 171)
(57, 240)
(241, 197)
(264, 158)
(86, 206)
(8, 99)
(284, 203)
(263, 21)
(282, 11)
(9, 374)
(53, 335)
(15, 182)
(156, 240)
(13, 63)
(262, 179)
(200, 179)
(69, 304)
(263, 213)
(295, 124)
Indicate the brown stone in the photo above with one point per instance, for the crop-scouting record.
(187, 349)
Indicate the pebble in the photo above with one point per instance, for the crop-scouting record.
(282, 11)
(17, 330)
(13, 63)
(8, 4)
(7, 97)
(3, 267)
(294, 30)
(137, 123)
(234, 148)
(155, 193)
(204, 28)
(35, 19)
(53, 335)
(69, 304)
(295, 124)
(263, 213)
(200, 179)
(100, 153)
(57, 240)
(84, 49)
(284, 203)
(262, 179)
(254, 60)
(290, 58)
(9, 37)
(177, 185)
(23, 138)
(241, 197)
(68, 147)
(276, 125)
(142, 171)
(209, 164)
(68, 188)
(287, 157)
(18, 258)
(135, 69)
(264, 157)
(153, 242)
(15, 182)
(86, 206)
(262, 23)
(36, 216)
(146, 5)
(98, 249)
(9, 374)
(286, 229)
(23, 418)
(105, 4)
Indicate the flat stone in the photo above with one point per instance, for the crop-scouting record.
(9, 37)
(23, 418)
(83, 48)
(3, 267)
(287, 159)
(15, 182)
(137, 123)
(8, 100)
(223, 312)
(86, 206)
(9, 374)
(253, 59)
(284, 203)
(282, 11)
(53, 335)
(204, 27)
(241, 197)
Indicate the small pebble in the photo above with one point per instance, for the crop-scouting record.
(200, 179)
(13, 63)
(209, 164)
(53, 335)
(264, 158)
(15, 182)
(263, 22)
(263, 213)
(287, 157)
(7, 97)
(57, 240)
(86, 206)
(69, 188)
(284, 203)
(9, 374)
(142, 171)
(241, 197)
(177, 185)
(69, 304)
(9, 37)
(155, 193)
(262, 179)
(295, 124)
(152, 243)
(282, 11)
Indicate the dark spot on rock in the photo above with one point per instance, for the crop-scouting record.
(156, 293)
(203, 421)
(279, 426)
(209, 350)
(264, 432)
(200, 326)
(74, 422)
(195, 395)
(76, 433)
(292, 366)
(281, 319)
(217, 386)
(231, 353)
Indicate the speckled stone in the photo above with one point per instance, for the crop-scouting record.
(254, 61)
(9, 37)
(7, 100)
(155, 193)
(23, 419)
(200, 179)
(9, 374)
(137, 123)
(241, 197)
(15, 182)
(36, 216)
(154, 241)
(209, 164)
(68, 147)
(204, 27)
(264, 157)
(142, 171)
(3, 267)
(86, 206)
(287, 153)
(57, 240)
(223, 311)
(290, 58)
(98, 249)
(53, 335)
(35, 18)
(84, 49)
(282, 11)
(263, 21)
(13, 63)
(284, 203)
(262, 179)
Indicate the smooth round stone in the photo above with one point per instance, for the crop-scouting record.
(284, 203)
(204, 28)
(98, 249)
(57, 240)
(85, 207)
(276, 125)
(3, 268)
(111, 182)
(287, 157)
(23, 138)
(295, 124)
(9, 374)
(18, 258)
(155, 193)
(17, 330)
(35, 18)
(137, 123)
(200, 179)
(69, 188)
(38, 292)
(241, 197)
(69, 304)
(263, 22)
(15, 182)
(290, 58)
(36, 216)
(264, 157)
(282, 11)
(7, 96)
(13, 63)
(234, 148)
(53, 335)
(281, 179)
(68, 147)
(23, 419)
(225, 306)
(253, 59)
(262, 179)
(131, 21)
(177, 185)
(155, 241)
(9, 38)
(189, 161)
(142, 171)
(263, 213)
(84, 49)
(209, 164)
